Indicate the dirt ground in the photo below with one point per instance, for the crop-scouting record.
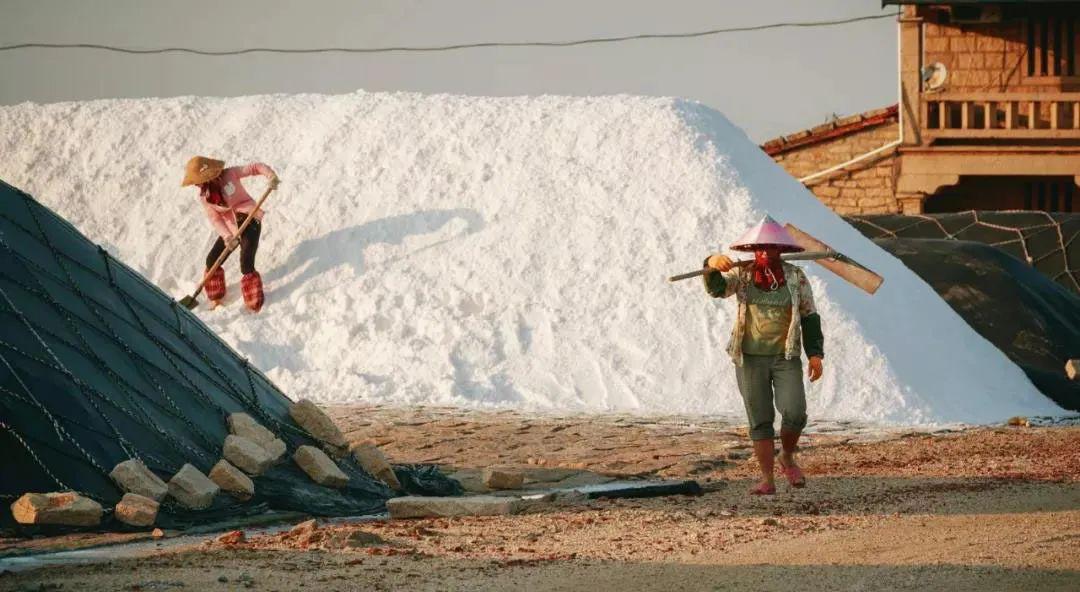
(977, 509)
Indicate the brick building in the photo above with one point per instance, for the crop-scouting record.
(988, 117)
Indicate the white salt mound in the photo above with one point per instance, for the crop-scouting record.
(497, 251)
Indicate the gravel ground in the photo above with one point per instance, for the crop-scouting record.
(973, 509)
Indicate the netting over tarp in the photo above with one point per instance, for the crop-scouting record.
(98, 366)
(1046, 241)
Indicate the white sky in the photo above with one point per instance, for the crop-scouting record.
(770, 82)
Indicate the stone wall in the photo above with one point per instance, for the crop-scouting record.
(868, 190)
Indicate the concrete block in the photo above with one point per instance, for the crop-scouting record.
(133, 477)
(246, 455)
(1072, 369)
(427, 507)
(136, 510)
(243, 425)
(374, 462)
(496, 478)
(309, 416)
(232, 480)
(192, 489)
(63, 508)
(319, 467)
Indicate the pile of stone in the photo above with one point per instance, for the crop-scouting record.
(249, 450)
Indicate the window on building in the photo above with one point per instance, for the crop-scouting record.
(1050, 196)
(1052, 45)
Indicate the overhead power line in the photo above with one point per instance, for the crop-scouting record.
(453, 47)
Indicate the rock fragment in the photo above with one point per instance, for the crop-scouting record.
(246, 455)
(309, 416)
(192, 489)
(63, 508)
(476, 505)
(136, 510)
(374, 462)
(320, 467)
(1072, 369)
(305, 527)
(232, 480)
(133, 477)
(233, 537)
(500, 478)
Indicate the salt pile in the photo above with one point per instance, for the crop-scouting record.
(510, 251)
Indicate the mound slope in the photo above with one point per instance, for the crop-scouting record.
(498, 251)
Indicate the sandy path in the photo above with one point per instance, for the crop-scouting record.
(986, 509)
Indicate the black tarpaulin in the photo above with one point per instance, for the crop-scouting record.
(98, 366)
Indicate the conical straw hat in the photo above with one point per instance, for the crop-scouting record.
(201, 169)
(767, 233)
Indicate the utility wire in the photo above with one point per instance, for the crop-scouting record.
(434, 48)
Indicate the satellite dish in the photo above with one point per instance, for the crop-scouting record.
(934, 76)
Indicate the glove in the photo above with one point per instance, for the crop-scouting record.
(232, 243)
(274, 182)
(720, 262)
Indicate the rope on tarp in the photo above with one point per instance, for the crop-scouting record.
(1009, 222)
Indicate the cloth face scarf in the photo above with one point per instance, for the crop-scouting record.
(211, 191)
(768, 270)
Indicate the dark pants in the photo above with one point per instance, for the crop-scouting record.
(249, 244)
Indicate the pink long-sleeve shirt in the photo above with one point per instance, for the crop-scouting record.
(237, 200)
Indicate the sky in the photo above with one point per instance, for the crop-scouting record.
(768, 82)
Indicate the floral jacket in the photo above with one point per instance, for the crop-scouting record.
(805, 321)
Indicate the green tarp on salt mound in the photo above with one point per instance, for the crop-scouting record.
(98, 366)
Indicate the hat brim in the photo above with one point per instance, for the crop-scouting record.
(199, 178)
(750, 248)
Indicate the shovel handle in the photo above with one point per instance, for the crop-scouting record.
(703, 271)
(801, 256)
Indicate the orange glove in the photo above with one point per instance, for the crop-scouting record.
(814, 370)
(720, 262)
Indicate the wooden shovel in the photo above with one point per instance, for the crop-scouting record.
(836, 262)
(192, 301)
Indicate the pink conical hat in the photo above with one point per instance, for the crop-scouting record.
(767, 233)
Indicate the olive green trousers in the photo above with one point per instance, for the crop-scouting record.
(764, 380)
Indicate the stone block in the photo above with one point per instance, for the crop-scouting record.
(136, 510)
(232, 480)
(428, 507)
(962, 44)
(133, 477)
(1072, 369)
(246, 455)
(243, 425)
(62, 508)
(192, 489)
(496, 478)
(309, 416)
(936, 44)
(319, 467)
(374, 462)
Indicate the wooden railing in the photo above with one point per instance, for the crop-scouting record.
(1001, 115)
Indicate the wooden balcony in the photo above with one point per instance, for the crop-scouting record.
(1021, 117)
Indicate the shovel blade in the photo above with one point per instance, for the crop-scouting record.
(189, 302)
(842, 265)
